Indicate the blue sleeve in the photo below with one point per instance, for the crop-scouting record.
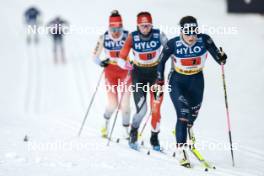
(211, 47)
(164, 56)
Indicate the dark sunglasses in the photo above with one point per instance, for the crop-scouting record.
(114, 29)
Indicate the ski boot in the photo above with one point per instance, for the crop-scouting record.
(104, 129)
(154, 141)
(183, 157)
(133, 138)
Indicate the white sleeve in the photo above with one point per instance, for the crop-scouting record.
(99, 47)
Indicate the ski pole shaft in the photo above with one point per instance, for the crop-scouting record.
(90, 104)
(227, 115)
(118, 107)
(145, 124)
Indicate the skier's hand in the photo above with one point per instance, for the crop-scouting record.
(124, 64)
(222, 57)
(160, 82)
(104, 63)
(98, 61)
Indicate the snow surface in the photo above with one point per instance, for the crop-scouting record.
(47, 103)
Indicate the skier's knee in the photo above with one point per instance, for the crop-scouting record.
(112, 106)
(143, 110)
(192, 118)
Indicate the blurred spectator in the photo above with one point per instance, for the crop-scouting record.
(57, 28)
(32, 19)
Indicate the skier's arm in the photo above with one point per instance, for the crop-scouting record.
(219, 57)
(123, 60)
(98, 50)
(126, 48)
(164, 56)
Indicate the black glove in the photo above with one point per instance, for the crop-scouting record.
(221, 57)
(105, 63)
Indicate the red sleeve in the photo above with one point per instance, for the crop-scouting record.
(126, 48)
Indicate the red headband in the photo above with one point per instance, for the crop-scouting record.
(144, 18)
(115, 21)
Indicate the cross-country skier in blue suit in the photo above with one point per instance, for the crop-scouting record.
(189, 53)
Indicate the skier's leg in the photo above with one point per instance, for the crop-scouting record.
(195, 97)
(195, 100)
(141, 109)
(112, 95)
(36, 35)
(28, 38)
(125, 104)
(178, 96)
(112, 100)
(55, 50)
(125, 108)
(155, 102)
(29, 32)
(182, 110)
(63, 59)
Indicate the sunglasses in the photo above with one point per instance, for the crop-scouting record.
(116, 29)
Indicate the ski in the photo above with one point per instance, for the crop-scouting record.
(201, 159)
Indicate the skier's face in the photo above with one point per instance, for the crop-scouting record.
(116, 31)
(189, 39)
(145, 28)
